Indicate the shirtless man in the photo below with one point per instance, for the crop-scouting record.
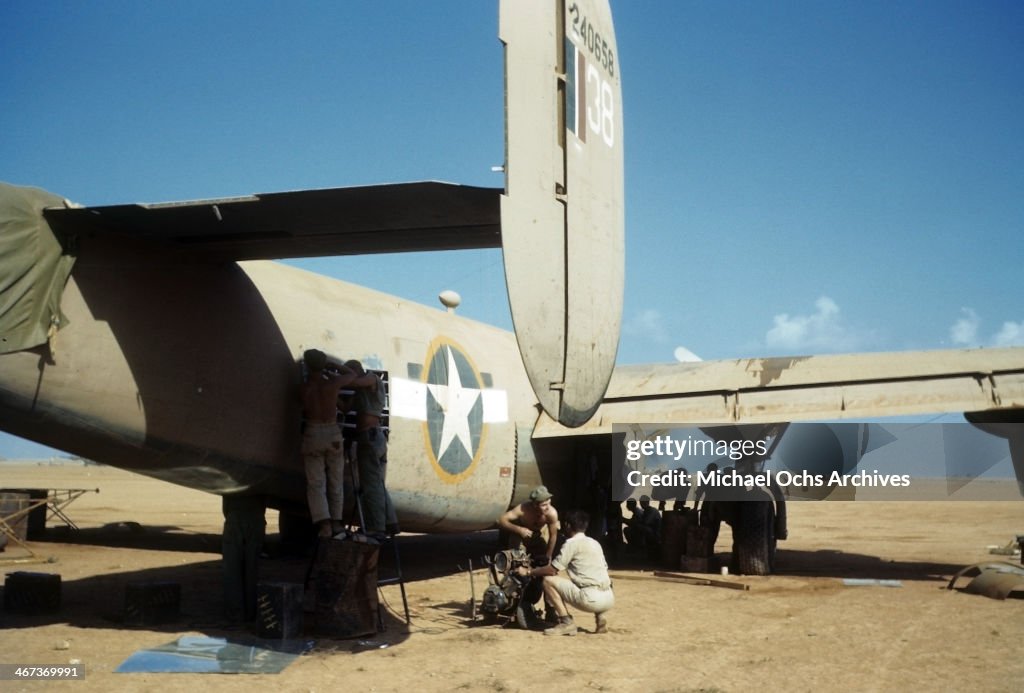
(527, 520)
(321, 442)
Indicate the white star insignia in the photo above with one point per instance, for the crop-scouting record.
(456, 403)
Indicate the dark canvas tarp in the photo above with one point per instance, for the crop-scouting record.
(33, 269)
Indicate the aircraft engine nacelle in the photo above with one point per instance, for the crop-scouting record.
(819, 450)
(1008, 424)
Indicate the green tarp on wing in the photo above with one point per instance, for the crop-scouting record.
(33, 269)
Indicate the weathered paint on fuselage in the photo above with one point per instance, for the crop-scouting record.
(188, 372)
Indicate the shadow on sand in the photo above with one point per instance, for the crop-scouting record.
(98, 601)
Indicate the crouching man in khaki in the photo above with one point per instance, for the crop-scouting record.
(587, 586)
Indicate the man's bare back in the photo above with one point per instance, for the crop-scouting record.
(320, 394)
(322, 442)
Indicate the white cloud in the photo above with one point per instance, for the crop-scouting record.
(965, 330)
(648, 323)
(1011, 334)
(824, 330)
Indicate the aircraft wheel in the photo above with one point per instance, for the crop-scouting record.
(753, 551)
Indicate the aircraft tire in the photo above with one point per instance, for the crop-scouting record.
(754, 538)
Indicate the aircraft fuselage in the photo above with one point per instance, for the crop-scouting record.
(188, 371)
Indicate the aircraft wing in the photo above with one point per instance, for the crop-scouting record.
(803, 388)
(306, 223)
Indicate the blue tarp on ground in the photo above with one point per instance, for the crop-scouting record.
(202, 654)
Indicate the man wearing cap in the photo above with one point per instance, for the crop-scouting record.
(321, 441)
(529, 520)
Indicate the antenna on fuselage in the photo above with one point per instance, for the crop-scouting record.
(449, 299)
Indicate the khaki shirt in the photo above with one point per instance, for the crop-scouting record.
(583, 559)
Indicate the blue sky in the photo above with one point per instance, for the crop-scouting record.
(801, 177)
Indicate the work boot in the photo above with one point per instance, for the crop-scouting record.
(565, 626)
(601, 622)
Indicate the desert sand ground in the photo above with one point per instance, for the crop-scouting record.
(799, 630)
